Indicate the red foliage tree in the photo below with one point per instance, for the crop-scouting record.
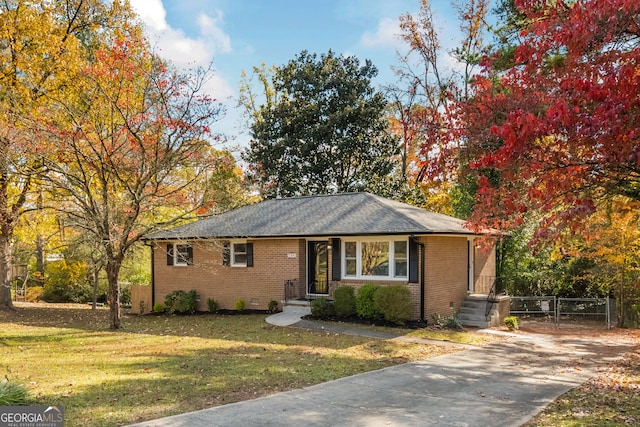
(559, 131)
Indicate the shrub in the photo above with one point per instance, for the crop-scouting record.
(66, 282)
(212, 305)
(394, 303)
(34, 293)
(240, 304)
(453, 322)
(181, 302)
(13, 394)
(158, 307)
(365, 303)
(511, 322)
(449, 322)
(345, 301)
(273, 306)
(322, 308)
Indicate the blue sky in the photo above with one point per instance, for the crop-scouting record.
(239, 34)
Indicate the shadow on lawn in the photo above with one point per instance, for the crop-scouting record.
(148, 385)
(244, 328)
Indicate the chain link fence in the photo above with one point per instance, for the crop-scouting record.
(564, 310)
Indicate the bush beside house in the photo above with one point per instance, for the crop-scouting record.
(370, 302)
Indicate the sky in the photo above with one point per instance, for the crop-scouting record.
(236, 35)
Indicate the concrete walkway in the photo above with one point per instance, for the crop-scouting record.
(290, 315)
(500, 384)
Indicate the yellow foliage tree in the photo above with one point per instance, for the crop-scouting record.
(614, 240)
(43, 42)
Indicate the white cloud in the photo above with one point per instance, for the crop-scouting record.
(182, 50)
(152, 14)
(386, 35)
(211, 30)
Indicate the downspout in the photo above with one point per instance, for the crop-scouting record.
(153, 277)
(422, 287)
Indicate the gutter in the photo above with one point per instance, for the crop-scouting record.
(422, 286)
(153, 276)
(421, 256)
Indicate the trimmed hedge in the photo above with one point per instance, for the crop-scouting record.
(365, 303)
(181, 302)
(322, 308)
(394, 303)
(345, 301)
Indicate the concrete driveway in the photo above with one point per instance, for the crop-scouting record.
(500, 384)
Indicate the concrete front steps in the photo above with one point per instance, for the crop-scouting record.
(472, 312)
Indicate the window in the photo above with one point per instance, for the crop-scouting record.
(179, 254)
(375, 258)
(237, 254)
(400, 258)
(350, 257)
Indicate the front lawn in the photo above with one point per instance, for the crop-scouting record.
(157, 366)
(612, 398)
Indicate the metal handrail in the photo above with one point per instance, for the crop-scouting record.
(491, 299)
(290, 291)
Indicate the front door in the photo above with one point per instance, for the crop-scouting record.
(317, 268)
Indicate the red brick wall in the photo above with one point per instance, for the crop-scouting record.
(446, 274)
(485, 266)
(256, 285)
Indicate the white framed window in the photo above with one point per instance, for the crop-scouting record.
(350, 259)
(239, 254)
(400, 258)
(375, 258)
(179, 254)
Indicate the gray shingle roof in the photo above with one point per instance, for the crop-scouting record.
(328, 215)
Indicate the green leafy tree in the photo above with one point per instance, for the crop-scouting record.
(321, 128)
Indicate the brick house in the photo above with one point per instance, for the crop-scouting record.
(306, 247)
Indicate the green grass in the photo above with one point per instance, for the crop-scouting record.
(158, 366)
(12, 394)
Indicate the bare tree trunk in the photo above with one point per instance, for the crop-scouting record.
(113, 269)
(5, 271)
(95, 277)
(40, 259)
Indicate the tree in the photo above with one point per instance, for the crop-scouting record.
(130, 144)
(42, 44)
(613, 246)
(558, 132)
(321, 128)
(426, 100)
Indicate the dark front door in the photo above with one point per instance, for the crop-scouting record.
(317, 268)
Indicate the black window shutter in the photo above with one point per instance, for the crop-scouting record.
(413, 260)
(249, 254)
(336, 261)
(226, 254)
(169, 253)
(189, 255)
